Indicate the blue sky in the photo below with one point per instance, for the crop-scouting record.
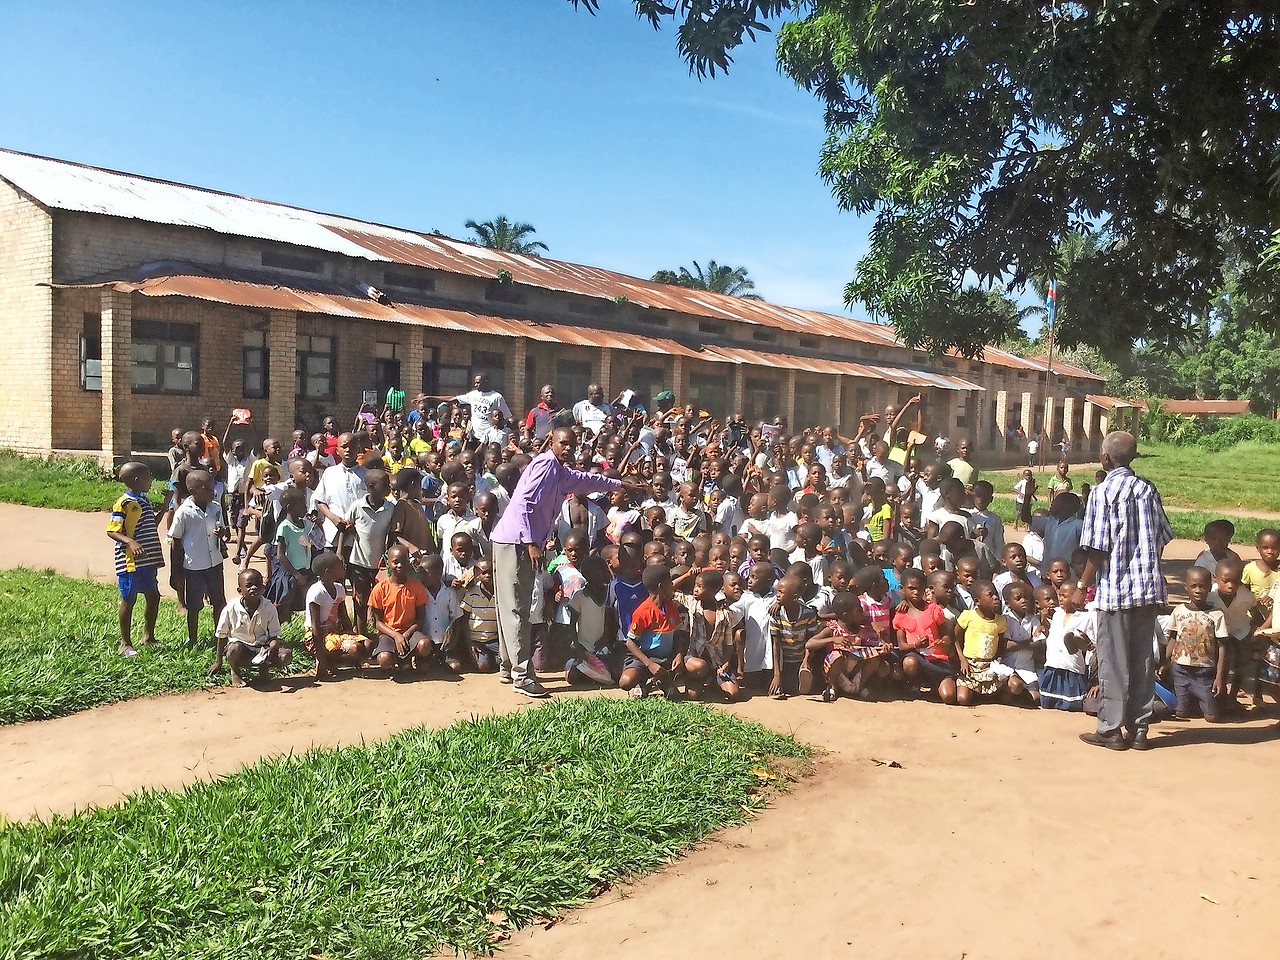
(426, 114)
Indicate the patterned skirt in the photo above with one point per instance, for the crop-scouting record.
(980, 678)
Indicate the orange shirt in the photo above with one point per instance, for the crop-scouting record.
(398, 603)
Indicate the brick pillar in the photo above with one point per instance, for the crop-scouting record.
(739, 388)
(789, 400)
(1049, 407)
(604, 373)
(1002, 420)
(1068, 419)
(516, 357)
(677, 380)
(411, 365)
(117, 376)
(282, 388)
(837, 405)
(974, 413)
(1028, 414)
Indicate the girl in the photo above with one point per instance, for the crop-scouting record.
(979, 637)
(1024, 495)
(290, 572)
(623, 516)
(857, 655)
(1060, 483)
(922, 634)
(715, 639)
(1064, 678)
(328, 635)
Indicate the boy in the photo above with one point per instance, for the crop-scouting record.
(249, 630)
(1217, 540)
(1196, 632)
(655, 640)
(1016, 569)
(780, 524)
(398, 606)
(368, 522)
(198, 528)
(983, 522)
(238, 464)
(808, 540)
(459, 518)
(792, 623)
(480, 625)
(687, 518)
(139, 556)
(1240, 611)
(1261, 575)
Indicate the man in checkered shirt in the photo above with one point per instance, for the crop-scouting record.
(1125, 531)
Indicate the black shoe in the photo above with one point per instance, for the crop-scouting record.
(1139, 741)
(1112, 741)
(532, 689)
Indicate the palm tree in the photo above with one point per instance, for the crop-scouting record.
(716, 278)
(503, 234)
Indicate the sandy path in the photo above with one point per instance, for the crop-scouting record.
(1000, 836)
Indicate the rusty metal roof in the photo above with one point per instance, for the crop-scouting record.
(1113, 403)
(244, 289)
(1192, 408)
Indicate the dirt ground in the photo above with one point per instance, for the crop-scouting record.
(1000, 835)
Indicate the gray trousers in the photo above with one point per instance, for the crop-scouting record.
(513, 597)
(1126, 668)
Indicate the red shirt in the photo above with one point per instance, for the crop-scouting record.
(925, 624)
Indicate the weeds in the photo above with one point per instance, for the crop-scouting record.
(65, 483)
(432, 838)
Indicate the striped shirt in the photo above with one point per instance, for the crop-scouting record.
(132, 515)
(482, 612)
(792, 632)
(1126, 520)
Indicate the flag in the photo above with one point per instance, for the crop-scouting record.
(1051, 302)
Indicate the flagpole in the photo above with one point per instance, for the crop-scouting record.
(1051, 309)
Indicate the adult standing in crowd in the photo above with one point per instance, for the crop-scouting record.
(481, 400)
(591, 413)
(517, 540)
(962, 467)
(542, 417)
(1125, 531)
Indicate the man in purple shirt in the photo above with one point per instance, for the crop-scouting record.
(517, 541)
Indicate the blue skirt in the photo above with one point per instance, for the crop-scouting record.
(1062, 689)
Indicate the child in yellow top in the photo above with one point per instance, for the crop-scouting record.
(979, 639)
(1263, 574)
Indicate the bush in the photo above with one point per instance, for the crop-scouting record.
(1227, 432)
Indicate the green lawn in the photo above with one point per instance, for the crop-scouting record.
(62, 637)
(66, 483)
(1187, 524)
(432, 839)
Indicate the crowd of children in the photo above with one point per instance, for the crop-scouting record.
(791, 565)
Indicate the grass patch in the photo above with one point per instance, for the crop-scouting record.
(62, 637)
(1186, 524)
(64, 483)
(1235, 481)
(432, 838)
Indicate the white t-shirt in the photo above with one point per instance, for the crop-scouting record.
(757, 647)
(318, 595)
(781, 531)
(590, 415)
(942, 516)
(340, 486)
(930, 497)
(481, 402)
(1083, 623)
(1033, 447)
(729, 517)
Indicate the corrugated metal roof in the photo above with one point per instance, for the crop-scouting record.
(172, 279)
(1192, 408)
(1041, 362)
(64, 185)
(1112, 403)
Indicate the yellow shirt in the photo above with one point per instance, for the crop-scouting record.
(981, 636)
(1258, 580)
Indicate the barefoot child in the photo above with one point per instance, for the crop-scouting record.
(715, 647)
(923, 634)
(1196, 636)
(198, 529)
(855, 654)
(1065, 675)
(792, 624)
(397, 607)
(1017, 664)
(250, 631)
(328, 635)
(979, 638)
(139, 556)
(368, 524)
(291, 564)
(656, 639)
(592, 625)
(1024, 495)
(480, 623)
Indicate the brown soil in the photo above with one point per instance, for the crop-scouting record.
(1000, 835)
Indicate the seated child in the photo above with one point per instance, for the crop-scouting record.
(1016, 569)
(792, 624)
(656, 639)
(854, 655)
(250, 631)
(979, 636)
(480, 623)
(923, 634)
(328, 635)
(1072, 632)
(397, 606)
(1196, 633)
(715, 648)
(591, 627)
(1017, 664)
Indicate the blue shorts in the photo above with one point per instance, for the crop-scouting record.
(143, 580)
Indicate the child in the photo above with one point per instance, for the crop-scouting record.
(715, 650)
(1071, 635)
(459, 517)
(589, 621)
(412, 520)
(857, 656)
(459, 564)
(807, 551)
(398, 607)
(1016, 569)
(1240, 611)
(1024, 495)
(198, 528)
(1217, 539)
(754, 605)
(1262, 575)
(291, 567)
(623, 517)
(1061, 483)
(906, 526)
(1017, 665)
(984, 523)
(566, 581)
(656, 639)
(687, 518)
(480, 625)
(967, 572)
(875, 601)
(792, 624)
(757, 520)
(979, 637)
(328, 635)
(138, 554)
(250, 630)
(922, 634)
(877, 513)
(368, 523)
(238, 463)
(1196, 632)
(780, 525)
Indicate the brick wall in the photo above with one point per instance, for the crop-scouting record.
(26, 345)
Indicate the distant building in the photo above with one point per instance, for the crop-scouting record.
(1202, 408)
(130, 305)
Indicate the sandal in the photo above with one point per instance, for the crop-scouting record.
(805, 682)
(830, 695)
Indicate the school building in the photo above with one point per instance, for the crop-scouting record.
(130, 305)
